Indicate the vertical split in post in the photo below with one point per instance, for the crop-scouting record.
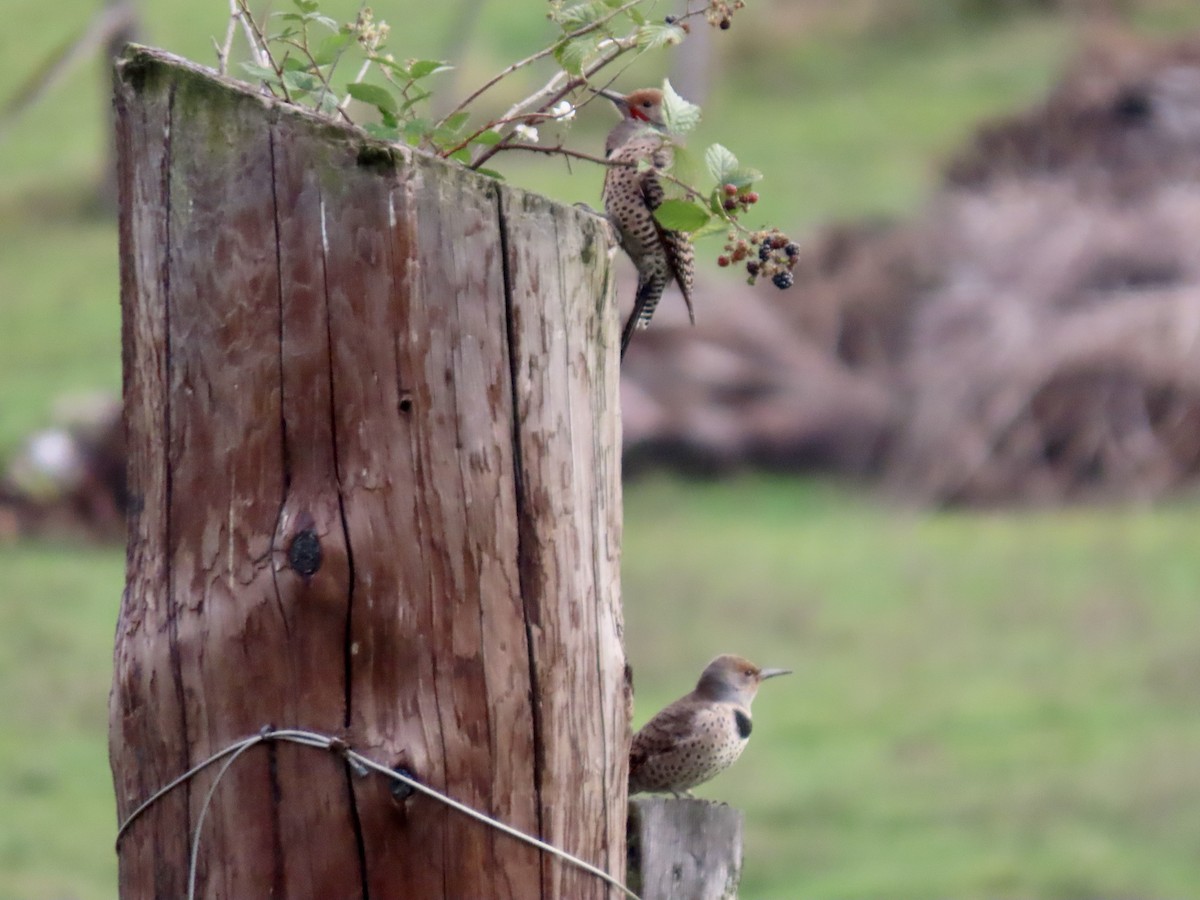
(369, 356)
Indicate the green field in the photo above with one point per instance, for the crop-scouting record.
(985, 705)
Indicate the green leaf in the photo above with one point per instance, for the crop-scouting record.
(679, 115)
(327, 103)
(372, 94)
(415, 96)
(490, 173)
(415, 130)
(581, 14)
(332, 47)
(655, 35)
(572, 54)
(682, 215)
(399, 68)
(423, 67)
(715, 225)
(721, 162)
(488, 138)
(382, 132)
(743, 177)
(294, 64)
(307, 6)
(264, 73)
(462, 155)
(301, 82)
(455, 123)
(635, 14)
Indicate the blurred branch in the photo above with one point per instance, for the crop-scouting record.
(114, 19)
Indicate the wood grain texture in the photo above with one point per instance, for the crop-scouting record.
(352, 518)
(684, 848)
(568, 443)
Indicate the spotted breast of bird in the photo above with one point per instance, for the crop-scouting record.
(638, 146)
(701, 734)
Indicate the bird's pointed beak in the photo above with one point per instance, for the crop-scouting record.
(616, 98)
(764, 674)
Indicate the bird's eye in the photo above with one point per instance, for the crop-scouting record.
(646, 104)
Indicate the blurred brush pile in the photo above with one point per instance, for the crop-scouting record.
(68, 479)
(1033, 335)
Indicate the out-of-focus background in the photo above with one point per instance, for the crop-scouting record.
(949, 477)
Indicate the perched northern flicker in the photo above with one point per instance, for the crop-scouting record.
(701, 734)
(630, 198)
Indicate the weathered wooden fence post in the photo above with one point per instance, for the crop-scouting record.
(374, 453)
(684, 848)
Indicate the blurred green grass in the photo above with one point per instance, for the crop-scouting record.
(995, 705)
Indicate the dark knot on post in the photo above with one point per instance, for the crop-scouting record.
(402, 790)
(304, 555)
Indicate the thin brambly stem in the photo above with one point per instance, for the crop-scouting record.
(224, 49)
(550, 96)
(357, 78)
(254, 36)
(556, 89)
(315, 69)
(258, 45)
(541, 54)
(560, 150)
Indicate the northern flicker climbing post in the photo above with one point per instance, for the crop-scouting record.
(701, 734)
(630, 198)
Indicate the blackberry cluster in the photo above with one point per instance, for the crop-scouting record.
(720, 12)
(768, 254)
(673, 20)
(736, 198)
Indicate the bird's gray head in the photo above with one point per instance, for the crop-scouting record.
(643, 105)
(734, 679)
(641, 111)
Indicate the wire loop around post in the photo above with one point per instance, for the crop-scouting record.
(362, 765)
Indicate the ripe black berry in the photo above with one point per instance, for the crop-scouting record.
(791, 250)
(764, 252)
(782, 280)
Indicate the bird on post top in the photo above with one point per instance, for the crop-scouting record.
(632, 192)
(701, 734)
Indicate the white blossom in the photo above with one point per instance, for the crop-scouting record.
(563, 111)
(526, 133)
